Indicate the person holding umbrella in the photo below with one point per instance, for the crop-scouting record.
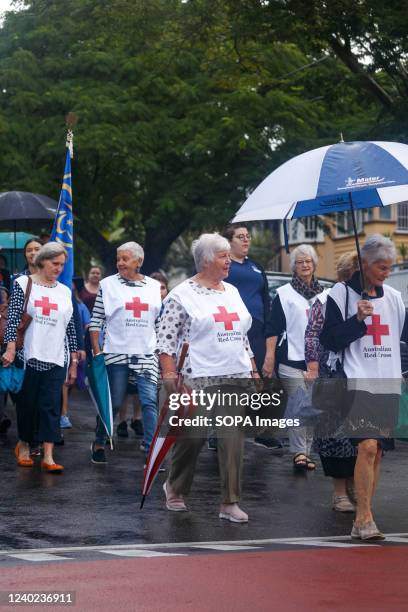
(209, 315)
(127, 306)
(370, 335)
(49, 354)
(30, 251)
(290, 310)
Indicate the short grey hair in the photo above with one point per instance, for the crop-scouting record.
(49, 250)
(378, 248)
(305, 250)
(134, 248)
(205, 248)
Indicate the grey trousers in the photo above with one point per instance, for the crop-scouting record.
(300, 438)
(230, 451)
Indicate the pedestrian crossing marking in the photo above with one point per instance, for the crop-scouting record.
(141, 553)
(326, 543)
(225, 547)
(37, 556)
(175, 549)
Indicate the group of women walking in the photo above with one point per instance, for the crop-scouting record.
(232, 333)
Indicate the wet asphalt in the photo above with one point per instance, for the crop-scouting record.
(92, 505)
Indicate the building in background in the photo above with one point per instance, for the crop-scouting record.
(391, 221)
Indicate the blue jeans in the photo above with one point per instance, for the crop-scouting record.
(118, 375)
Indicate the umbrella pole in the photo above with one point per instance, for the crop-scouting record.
(15, 248)
(353, 218)
(142, 502)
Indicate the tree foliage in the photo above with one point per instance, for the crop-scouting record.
(183, 106)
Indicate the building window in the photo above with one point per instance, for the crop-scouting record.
(368, 215)
(402, 217)
(385, 213)
(344, 223)
(310, 225)
(303, 230)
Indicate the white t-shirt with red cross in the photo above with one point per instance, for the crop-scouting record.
(373, 363)
(131, 313)
(51, 310)
(219, 323)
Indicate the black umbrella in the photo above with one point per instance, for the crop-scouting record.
(19, 205)
(18, 209)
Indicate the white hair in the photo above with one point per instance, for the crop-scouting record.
(205, 248)
(134, 248)
(49, 250)
(378, 248)
(305, 250)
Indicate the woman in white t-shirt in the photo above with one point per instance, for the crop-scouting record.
(209, 315)
(49, 354)
(367, 323)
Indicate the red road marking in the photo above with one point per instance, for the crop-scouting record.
(308, 580)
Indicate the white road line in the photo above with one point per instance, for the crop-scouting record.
(36, 556)
(396, 539)
(225, 547)
(173, 545)
(327, 544)
(141, 553)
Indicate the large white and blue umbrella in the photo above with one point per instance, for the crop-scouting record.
(340, 177)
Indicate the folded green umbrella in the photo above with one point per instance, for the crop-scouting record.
(99, 390)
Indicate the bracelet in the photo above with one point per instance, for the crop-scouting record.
(255, 372)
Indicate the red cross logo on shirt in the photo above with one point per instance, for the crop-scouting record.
(376, 330)
(226, 317)
(46, 306)
(137, 306)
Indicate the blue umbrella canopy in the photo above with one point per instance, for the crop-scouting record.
(331, 179)
(340, 177)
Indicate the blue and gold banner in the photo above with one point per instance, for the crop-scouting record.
(63, 230)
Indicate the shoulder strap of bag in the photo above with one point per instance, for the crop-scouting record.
(183, 355)
(27, 294)
(345, 318)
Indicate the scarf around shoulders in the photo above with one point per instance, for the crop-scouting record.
(307, 291)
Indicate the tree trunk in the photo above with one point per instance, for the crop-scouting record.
(158, 242)
(349, 59)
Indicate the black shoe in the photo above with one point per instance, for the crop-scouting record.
(122, 430)
(271, 444)
(137, 426)
(212, 444)
(98, 455)
(5, 424)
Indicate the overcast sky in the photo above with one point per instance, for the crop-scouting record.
(5, 5)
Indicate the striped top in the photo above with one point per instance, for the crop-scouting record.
(144, 365)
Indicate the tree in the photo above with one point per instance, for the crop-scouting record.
(182, 110)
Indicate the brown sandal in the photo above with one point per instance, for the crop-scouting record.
(300, 462)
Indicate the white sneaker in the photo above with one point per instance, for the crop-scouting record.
(174, 503)
(233, 513)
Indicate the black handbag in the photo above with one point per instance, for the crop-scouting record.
(330, 394)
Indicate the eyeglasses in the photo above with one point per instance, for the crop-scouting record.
(306, 262)
(243, 237)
